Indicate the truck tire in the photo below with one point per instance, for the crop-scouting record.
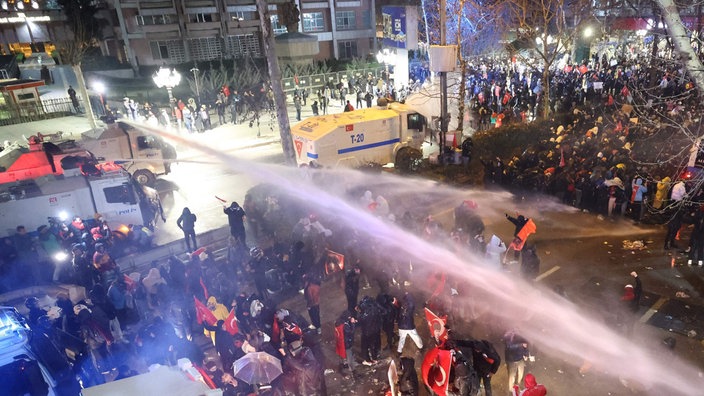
(408, 160)
(144, 177)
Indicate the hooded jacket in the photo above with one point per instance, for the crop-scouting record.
(638, 190)
(533, 388)
(405, 315)
(661, 192)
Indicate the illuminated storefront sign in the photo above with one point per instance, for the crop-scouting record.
(22, 18)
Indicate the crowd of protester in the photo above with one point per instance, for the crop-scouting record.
(587, 159)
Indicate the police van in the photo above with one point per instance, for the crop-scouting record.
(30, 364)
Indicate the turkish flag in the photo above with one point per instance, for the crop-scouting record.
(436, 324)
(436, 370)
(275, 332)
(205, 289)
(203, 314)
(340, 341)
(231, 323)
(522, 236)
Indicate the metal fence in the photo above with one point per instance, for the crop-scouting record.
(316, 81)
(46, 109)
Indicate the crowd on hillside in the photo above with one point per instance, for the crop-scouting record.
(613, 145)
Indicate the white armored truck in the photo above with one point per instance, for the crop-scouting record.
(113, 193)
(357, 138)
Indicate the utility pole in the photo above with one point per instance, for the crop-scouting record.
(195, 71)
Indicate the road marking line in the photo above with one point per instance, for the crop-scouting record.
(547, 273)
(658, 304)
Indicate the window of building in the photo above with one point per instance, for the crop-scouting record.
(347, 49)
(238, 16)
(313, 22)
(145, 20)
(366, 19)
(276, 27)
(200, 17)
(242, 45)
(345, 20)
(205, 48)
(171, 50)
(160, 49)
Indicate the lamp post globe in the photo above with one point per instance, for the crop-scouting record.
(167, 78)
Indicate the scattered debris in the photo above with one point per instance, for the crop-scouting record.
(691, 334)
(681, 294)
(633, 245)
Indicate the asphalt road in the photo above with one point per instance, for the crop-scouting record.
(580, 254)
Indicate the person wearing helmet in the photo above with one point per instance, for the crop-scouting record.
(35, 312)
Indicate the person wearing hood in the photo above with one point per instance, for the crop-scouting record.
(187, 222)
(638, 188)
(495, 250)
(366, 199)
(530, 263)
(661, 191)
(224, 344)
(406, 324)
(219, 311)
(532, 387)
(616, 195)
(235, 218)
(515, 355)
(151, 284)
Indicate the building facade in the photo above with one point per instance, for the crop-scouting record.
(31, 26)
(159, 32)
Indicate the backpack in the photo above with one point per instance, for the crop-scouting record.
(193, 217)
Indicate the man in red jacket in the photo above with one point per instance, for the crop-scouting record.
(532, 387)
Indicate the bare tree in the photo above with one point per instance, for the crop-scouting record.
(276, 83)
(86, 33)
(546, 28)
(682, 43)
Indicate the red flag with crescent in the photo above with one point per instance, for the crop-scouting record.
(299, 146)
(275, 332)
(203, 314)
(340, 341)
(436, 324)
(436, 370)
(231, 323)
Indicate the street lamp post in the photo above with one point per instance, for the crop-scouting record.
(195, 78)
(167, 78)
(385, 57)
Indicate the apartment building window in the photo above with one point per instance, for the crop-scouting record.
(345, 20)
(205, 48)
(241, 45)
(347, 49)
(366, 19)
(169, 50)
(146, 20)
(276, 26)
(238, 16)
(200, 17)
(313, 22)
